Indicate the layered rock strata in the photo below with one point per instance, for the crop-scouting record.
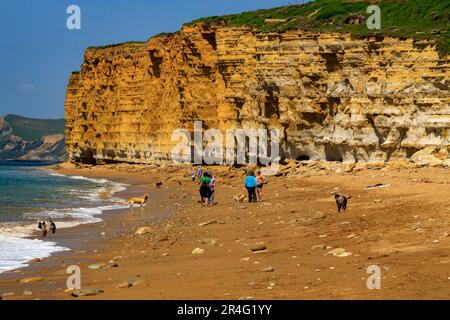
(333, 97)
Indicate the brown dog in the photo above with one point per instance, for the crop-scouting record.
(139, 201)
(341, 202)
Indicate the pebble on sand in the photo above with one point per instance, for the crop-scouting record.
(344, 254)
(207, 223)
(129, 283)
(336, 252)
(142, 231)
(318, 247)
(113, 265)
(29, 280)
(96, 266)
(268, 269)
(198, 251)
(319, 215)
(258, 247)
(86, 292)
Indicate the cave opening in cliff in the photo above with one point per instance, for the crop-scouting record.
(312, 118)
(271, 102)
(156, 63)
(411, 151)
(110, 154)
(333, 153)
(271, 107)
(87, 156)
(331, 62)
(333, 104)
(239, 102)
(211, 38)
(303, 157)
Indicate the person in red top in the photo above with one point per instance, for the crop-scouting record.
(259, 185)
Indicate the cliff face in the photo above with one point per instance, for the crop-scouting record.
(333, 97)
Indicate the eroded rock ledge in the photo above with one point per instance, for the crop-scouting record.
(332, 96)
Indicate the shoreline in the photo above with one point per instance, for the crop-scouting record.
(61, 244)
(165, 268)
(62, 238)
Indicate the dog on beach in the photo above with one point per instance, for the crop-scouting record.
(239, 198)
(139, 201)
(341, 201)
(158, 184)
(46, 228)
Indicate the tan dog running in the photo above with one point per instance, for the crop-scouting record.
(142, 201)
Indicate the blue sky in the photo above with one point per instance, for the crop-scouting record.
(38, 52)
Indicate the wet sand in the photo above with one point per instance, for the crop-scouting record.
(402, 228)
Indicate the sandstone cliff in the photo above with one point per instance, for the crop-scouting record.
(334, 97)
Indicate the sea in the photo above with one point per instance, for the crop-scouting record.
(30, 192)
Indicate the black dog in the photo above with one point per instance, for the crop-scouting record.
(158, 184)
(341, 202)
(52, 226)
(42, 225)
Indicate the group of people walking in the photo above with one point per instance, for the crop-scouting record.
(207, 186)
(253, 183)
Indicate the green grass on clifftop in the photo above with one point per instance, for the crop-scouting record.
(420, 19)
(107, 46)
(33, 129)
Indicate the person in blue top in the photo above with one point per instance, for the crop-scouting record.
(250, 184)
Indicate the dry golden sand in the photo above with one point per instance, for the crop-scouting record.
(402, 228)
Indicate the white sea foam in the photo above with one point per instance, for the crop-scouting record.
(16, 251)
(100, 181)
(56, 174)
(112, 187)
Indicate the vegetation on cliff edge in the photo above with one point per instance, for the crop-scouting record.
(419, 19)
(107, 46)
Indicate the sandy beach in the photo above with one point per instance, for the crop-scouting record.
(403, 228)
